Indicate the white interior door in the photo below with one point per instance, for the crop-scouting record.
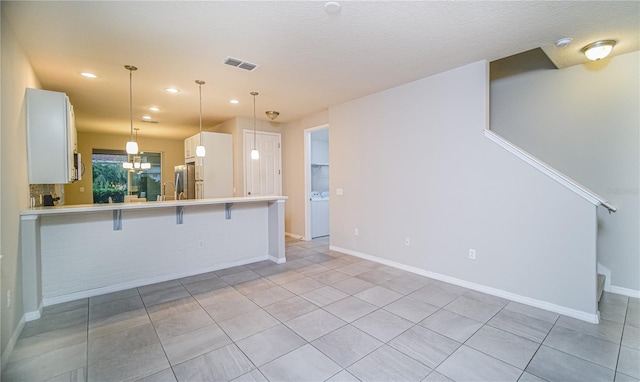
(263, 176)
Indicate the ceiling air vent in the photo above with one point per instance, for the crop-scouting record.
(239, 63)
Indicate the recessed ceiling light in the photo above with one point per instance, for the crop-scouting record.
(172, 90)
(88, 75)
(146, 117)
(234, 101)
(153, 108)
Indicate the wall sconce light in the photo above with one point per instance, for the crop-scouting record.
(599, 49)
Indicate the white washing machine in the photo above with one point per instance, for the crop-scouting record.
(319, 214)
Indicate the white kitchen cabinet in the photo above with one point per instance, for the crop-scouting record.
(213, 172)
(190, 149)
(51, 138)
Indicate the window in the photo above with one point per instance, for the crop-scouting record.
(112, 181)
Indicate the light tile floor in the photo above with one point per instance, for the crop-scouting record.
(321, 316)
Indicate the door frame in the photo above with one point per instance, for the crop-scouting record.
(245, 135)
(307, 178)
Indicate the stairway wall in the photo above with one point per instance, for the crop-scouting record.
(584, 120)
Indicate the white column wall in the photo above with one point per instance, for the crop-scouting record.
(413, 162)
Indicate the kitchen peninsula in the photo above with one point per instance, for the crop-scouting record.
(79, 251)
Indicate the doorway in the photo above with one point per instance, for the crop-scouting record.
(316, 150)
(262, 176)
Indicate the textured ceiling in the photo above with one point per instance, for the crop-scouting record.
(308, 59)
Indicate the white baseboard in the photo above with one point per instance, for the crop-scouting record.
(278, 260)
(30, 316)
(293, 235)
(580, 315)
(148, 281)
(625, 291)
(12, 343)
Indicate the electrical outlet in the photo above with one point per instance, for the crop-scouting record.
(81, 189)
(9, 299)
(472, 254)
(200, 243)
(339, 191)
(356, 232)
(407, 242)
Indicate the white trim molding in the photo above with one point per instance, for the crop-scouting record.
(580, 315)
(625, 291)
(6, 353)
(147, 281)
(554, 174)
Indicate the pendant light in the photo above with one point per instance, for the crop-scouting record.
(200, 150)
(255, 155)
(132, 145)
(134, 162)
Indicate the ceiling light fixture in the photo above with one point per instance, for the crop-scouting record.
(132, 145)
(154, 108)
(272, 114)
(146, 117)
(234, 101)
(599, 49)
(255, 155)
(88, 75)
(200, 150)
(134, 162)
(172, 90)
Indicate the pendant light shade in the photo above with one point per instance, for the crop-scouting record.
(200, 150)
(255, 155)
(134, 161)
(132, 145)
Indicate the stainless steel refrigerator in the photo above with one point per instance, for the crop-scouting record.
(186, 181)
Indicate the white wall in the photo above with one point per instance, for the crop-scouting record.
(414, 163)
(17, 75)
(585, 121)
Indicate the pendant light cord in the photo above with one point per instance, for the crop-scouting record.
(200, 88)
(254, 94)
(131, 100)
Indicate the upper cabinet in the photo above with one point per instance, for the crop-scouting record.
(51, 138)
(190, 148)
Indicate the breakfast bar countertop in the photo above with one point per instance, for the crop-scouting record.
(83, 208)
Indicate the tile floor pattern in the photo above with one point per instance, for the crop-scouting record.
(321, 316)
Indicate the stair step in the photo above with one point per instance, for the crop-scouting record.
(601, 279)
